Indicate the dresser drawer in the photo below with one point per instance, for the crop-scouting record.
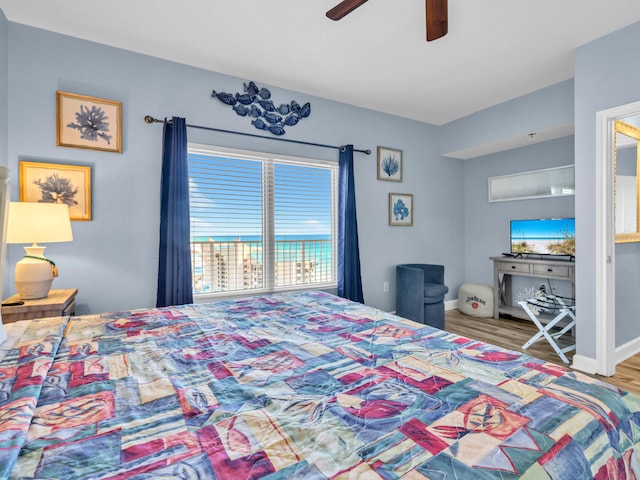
(551, 270)
(514, 267)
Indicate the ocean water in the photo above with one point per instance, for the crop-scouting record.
(256, 238)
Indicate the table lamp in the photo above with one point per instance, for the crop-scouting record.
(37, 223)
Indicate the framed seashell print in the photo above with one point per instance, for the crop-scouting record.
(389, 164)
(57, 183)
(88, 122)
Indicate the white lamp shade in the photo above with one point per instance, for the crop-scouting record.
(38, 223)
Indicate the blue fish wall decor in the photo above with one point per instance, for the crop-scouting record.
(256, 104)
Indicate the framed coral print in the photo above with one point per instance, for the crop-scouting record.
(400, 209)
(57, 183)
(389, 164)
(88, 122)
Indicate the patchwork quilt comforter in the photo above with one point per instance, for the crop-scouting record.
(303, 385)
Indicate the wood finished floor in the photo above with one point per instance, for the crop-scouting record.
(513, 333)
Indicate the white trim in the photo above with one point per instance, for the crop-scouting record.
(606, 353)
(584, 364)
(605, 251)
(215, 296)
(627, 350)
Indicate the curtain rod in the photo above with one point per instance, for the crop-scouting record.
(149, 119)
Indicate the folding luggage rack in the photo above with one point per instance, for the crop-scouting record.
(561, 307)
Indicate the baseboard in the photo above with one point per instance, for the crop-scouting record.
(589, 365)
(627, 350)
(584, 364)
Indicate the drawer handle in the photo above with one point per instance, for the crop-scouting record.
(513, 266)
(549, 269)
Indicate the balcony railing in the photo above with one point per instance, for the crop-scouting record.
(238, 265)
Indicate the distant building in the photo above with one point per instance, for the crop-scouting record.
(237, 266)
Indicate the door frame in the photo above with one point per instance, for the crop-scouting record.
(605, 307)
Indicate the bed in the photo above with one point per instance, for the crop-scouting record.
(297, 386)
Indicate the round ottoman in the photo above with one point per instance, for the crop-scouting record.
(476, 300)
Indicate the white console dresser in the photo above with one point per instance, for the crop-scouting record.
(505, 267)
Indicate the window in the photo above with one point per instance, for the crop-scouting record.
(260, 222)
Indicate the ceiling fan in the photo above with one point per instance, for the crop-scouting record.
(436, 15)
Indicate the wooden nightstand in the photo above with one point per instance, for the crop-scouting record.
(59, 303)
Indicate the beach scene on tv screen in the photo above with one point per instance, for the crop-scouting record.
(554, 236)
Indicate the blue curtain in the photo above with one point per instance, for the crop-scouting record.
(174, 263)
(349, 279)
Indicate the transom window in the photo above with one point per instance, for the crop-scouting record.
(260, 222)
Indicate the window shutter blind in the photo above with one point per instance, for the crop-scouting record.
(302, 223)
(226, 223)
(261, 223)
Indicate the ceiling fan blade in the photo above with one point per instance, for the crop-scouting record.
(437, 19)
(344, 8)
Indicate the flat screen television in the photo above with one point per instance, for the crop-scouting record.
(544, 236)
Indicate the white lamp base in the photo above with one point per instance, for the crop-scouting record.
(33, 276)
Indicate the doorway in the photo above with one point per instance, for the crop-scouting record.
(607, 356)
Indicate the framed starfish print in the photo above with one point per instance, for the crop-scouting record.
(57, 183)
(88, 122)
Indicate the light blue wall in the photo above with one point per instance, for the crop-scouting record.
(541, 109)
(487, 224)
(627, 287)
(113, 258)
(4, 68)
(606, 76)
(627, 266)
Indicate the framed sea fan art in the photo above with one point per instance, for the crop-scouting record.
(57, 183)
(400, 209)
(88, 122)
(389, 164)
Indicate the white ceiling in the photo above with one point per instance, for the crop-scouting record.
(376, 57)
